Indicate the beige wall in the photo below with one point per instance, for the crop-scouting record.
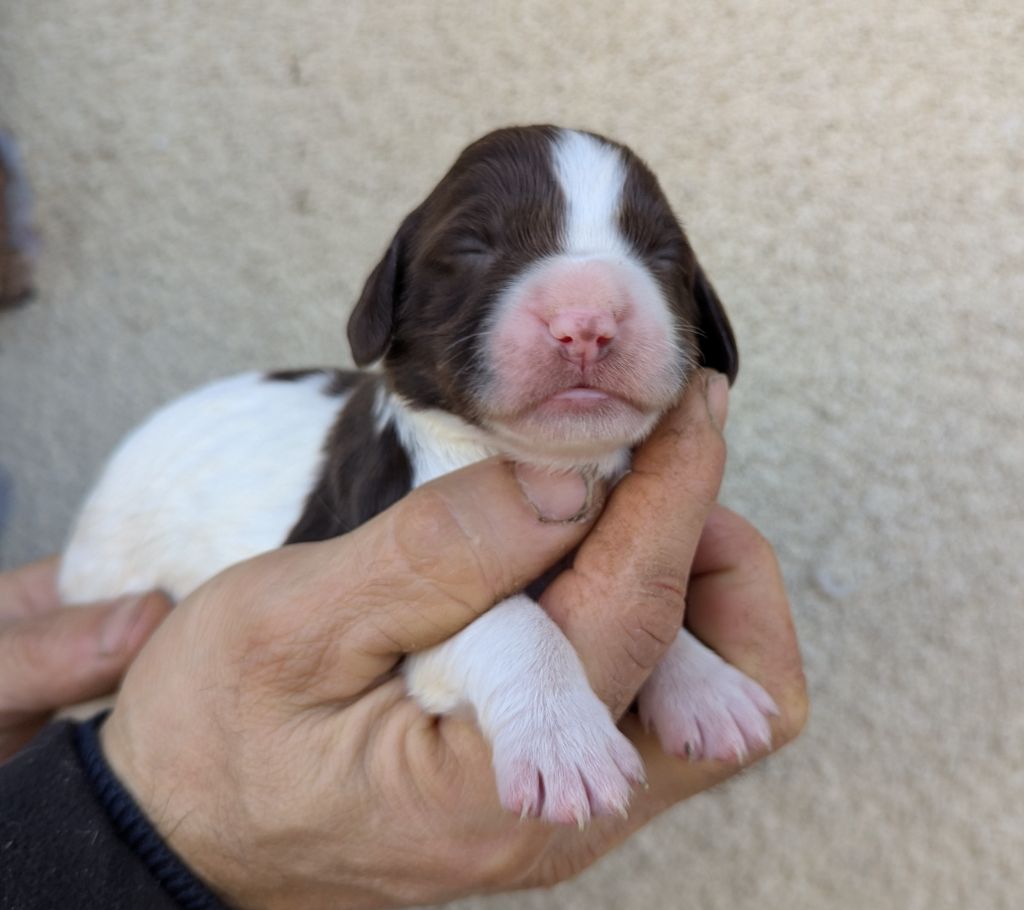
(214, 183)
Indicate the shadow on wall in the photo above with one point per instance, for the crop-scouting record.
(6, 501)
(17, 246)
(17, 239)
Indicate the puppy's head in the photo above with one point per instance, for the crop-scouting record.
(545, 292)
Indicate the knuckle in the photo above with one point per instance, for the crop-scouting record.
(696, 466)
(33, 647)
(427, 519)
(653, 626)
(709, 467)
(714, 447)
(442, 554)
(702, 440)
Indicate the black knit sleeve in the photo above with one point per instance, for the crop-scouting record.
(72, 836)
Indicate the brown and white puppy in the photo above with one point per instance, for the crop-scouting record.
(542, 303)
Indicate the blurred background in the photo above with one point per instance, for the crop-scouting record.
(213, 182)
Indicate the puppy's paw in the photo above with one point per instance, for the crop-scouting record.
(702, 707)
(565, 761)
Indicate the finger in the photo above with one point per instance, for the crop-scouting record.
(621, 605)
(71, 655)
(30, 589)
(418, 572)
(738, 607)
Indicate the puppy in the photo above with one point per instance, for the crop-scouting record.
(542, 303)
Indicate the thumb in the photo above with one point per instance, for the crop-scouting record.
(71, 655)
(455, 547)
(423, 569)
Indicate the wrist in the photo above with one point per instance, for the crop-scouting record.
(135, 827)
(182, 818)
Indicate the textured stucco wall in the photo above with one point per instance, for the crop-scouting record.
(214, 181)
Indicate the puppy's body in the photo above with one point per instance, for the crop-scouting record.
(246, 464)
(542, 303)
(213, 478)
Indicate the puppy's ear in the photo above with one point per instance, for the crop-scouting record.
(717, 343)
(372, 323)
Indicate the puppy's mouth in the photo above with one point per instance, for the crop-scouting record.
(577, 421)
(576, 407)
(583, 398)
(580, 397)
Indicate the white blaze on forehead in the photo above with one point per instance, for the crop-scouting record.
(591, 175)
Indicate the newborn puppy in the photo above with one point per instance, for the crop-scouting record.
(542, 303)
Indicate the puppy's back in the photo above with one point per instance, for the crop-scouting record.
(215, 477)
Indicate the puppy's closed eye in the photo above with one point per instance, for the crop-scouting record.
(473, 249)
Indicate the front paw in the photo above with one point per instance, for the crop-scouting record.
(704, 708)
(564, 761)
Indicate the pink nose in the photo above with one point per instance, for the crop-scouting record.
(584, 336)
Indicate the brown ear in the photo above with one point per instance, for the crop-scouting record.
(372, 323)
(717, 342)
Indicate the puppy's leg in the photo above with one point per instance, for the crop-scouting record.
(557, 752)
(702, 707)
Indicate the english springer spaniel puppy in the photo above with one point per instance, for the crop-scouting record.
(542, 303)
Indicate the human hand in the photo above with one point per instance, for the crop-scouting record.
(52, 657)
(267, 738)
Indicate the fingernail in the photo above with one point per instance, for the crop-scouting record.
(717, 392)
(117, 628)
(561, 496)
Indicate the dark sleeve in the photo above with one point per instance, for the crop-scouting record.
(71, 835)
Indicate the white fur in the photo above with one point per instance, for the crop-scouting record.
(211, 479)
(591, 175)
(436, 442)
(557, 751)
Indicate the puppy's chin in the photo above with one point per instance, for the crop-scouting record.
(570, 430)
